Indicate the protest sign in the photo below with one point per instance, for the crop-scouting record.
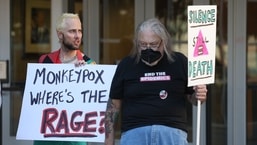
(201, 50)
(64, 102)
(201, 44)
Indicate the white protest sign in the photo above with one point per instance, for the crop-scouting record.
(201, 44)
(64, 102)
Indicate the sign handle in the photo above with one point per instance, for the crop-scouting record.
(198, 122)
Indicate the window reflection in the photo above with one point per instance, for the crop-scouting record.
(251, 74)
(173, 14)
(217, 104)
(117, 29)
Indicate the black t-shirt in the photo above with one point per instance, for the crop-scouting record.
(152, 95)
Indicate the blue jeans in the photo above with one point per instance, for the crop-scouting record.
(154, 135)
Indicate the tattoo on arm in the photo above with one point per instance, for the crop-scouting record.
(111, 117)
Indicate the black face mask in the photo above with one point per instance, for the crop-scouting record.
(150, 55)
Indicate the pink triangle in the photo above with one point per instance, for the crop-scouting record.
(200, 47)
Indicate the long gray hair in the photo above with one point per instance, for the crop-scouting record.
(159, 29)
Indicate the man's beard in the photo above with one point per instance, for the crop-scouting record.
(69, 46)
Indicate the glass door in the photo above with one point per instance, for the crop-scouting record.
(116, 24)
(116, 29)
(251, 73)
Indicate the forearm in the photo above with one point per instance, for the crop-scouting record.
(111, 117)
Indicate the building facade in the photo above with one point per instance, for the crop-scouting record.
(227, 118)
